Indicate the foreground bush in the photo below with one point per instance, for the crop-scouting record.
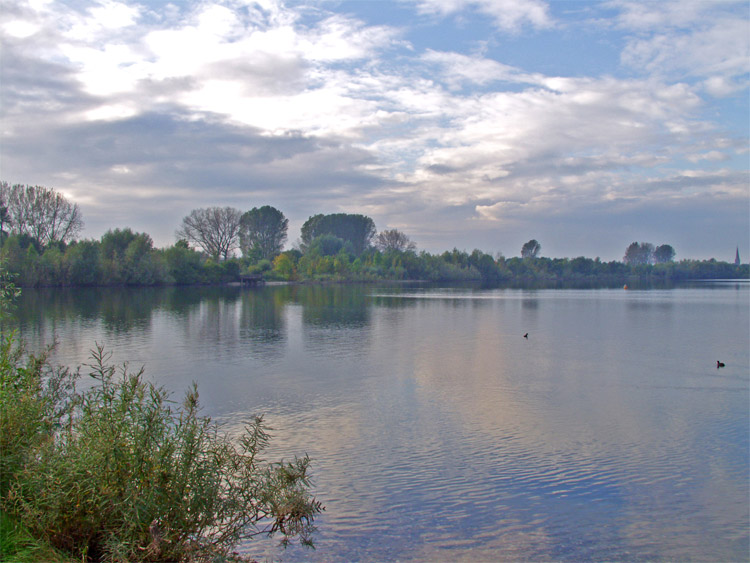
(121, 473)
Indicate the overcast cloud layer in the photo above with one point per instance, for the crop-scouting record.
(468, 123)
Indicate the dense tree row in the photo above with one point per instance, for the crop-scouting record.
(120, 257)
(38, 229)
(124, 257)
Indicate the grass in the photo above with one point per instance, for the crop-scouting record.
(17, 545)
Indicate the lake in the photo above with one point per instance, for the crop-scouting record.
(439, 433)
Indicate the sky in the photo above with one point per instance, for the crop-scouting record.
(462, 123)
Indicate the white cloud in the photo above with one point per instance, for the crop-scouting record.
(267, 73)
(434, 130)
(714, 156)
(508, 15)
(101, 19)
(698, 39)
(498, 210)
(340, 38)
(110, 112)
(20, 29)
(458, 69)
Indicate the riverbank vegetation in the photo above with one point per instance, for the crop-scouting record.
(119, 472)
(219, 245)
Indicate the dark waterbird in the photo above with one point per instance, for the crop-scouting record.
(719, 364)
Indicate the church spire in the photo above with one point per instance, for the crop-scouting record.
(737, 257)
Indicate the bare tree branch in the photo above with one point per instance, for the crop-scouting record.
(214, 229)
(42, 213)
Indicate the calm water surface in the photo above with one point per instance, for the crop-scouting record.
(439, 433)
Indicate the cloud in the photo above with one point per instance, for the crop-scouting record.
(708, 41)
(508, 15)
(499, 209)
(458, 69)
(237, 103)
(500, 144)
(169, 164)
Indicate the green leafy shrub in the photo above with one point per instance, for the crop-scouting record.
(121, 473)
(261, 267)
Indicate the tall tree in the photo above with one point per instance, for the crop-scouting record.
(637, 254)
(115, 242)
(530, 249)
(358, 230)
(394, 240)
(215, 230)
(83, 261)
(5, 219)
(664, 253)
(41, 213)
(263, 232)
(122, 252)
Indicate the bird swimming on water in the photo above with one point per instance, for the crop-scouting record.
(719, 364)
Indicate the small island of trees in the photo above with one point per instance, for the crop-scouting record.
(39, 229)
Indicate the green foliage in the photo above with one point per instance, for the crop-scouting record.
(358, 230)
(17, 545)
(664, 253)
(32, 402)
(184, 265)
(114, 243)
(486, 266)
(120, 473)
(328, 245)
(8, 289)
(334, 250)
(263, 232)
(261, 267)
(83, 261)
(639, 254)
(285, 266)
(230, 270)
(141, 266)
(52, 266)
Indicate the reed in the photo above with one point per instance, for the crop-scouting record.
(120, 472)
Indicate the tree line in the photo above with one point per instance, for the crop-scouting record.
(38, 229)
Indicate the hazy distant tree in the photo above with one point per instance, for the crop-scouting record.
(457, 257)
(358, 230)
(485, 265)
(263, 232)
(664, 253)
(394, 240)
(215, 230)
(5, 219)
(530, 249)
(647, 251)
(41, 213)
(637, 254)
(115, 242)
